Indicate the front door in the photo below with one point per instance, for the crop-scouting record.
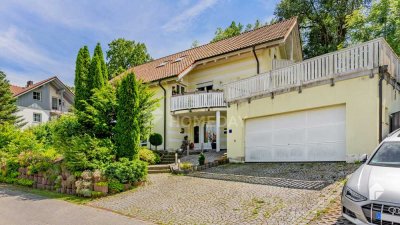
(204, 134)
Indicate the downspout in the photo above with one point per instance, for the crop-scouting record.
(382, 72)
(255, 56)
(165, 115)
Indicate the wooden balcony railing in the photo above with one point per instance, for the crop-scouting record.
(365, 56)
(197, 100)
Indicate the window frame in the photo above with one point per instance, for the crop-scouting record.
(34, 117)
(39, 94)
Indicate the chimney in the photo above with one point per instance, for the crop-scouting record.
(29, 83)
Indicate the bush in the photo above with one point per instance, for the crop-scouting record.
(115, 186)
(37, 161)
(97, 194)
(8, 180)
(186, 166)
(9, 165)
(126, 171)
(202, 159)
(102, 184)
(24, 182)
(149, 156)
(155, 139)
(87, 153)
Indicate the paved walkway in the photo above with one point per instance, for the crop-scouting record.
(171, 199)
(19, 208)
(210, 155)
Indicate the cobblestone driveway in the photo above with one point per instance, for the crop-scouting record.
(170, 199)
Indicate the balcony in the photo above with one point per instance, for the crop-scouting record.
(362, 58)
(197, 100)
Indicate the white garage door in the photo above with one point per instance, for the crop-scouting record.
(313, 135)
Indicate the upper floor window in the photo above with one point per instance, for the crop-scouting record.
(179, 89)
(37, 96)
(206, 86)
(37, 117)
(54, 103)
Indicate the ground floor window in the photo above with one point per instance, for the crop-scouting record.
(37, 117)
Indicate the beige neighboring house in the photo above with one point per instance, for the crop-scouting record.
(255, 96)
(42, 101)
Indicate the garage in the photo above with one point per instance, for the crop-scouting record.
(310, 135)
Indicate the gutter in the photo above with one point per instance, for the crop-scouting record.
(255, 56)
(164, 114)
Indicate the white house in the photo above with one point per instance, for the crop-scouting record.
(42, 101)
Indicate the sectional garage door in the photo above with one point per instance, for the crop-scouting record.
(312, 135)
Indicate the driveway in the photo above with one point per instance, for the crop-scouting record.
(19, 208)
(171, 199)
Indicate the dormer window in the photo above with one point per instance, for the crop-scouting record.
(163, 64)
(179, 59)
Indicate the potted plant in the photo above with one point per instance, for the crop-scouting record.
(202, 159)
(191, 146)
(186, 167)
(101, 187)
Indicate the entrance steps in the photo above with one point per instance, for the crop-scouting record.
(158, 169)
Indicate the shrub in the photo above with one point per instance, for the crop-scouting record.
(8, 180)
(37, 161)
(9, 165)
(85, 192)
(202, 159)
(126, 171)
(97, 194)
(115, 186)
(102, 184)
(149, 156)
(156, 139)
(87, 153)
(8, 133)
(24, 182)
(186, 166)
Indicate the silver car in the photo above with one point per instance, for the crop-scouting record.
(372, 194)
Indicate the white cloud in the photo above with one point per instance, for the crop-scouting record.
(187, 16)
(18, 48)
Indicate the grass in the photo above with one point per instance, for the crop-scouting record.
(53, 195)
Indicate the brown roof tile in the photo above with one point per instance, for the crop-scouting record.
(152, 71)
(16, 89)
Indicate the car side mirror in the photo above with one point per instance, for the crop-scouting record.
(364, 158)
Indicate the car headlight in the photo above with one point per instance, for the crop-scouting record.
(354, 196)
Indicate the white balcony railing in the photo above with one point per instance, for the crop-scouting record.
(365, 56)
(281, 63)
(197, 100)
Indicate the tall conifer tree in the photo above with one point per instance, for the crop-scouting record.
(96, 73)
(99, 52)
(82, 87)
(127, 129)
(8, 108)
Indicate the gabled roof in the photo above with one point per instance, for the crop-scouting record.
(18, 91)
(169, 66)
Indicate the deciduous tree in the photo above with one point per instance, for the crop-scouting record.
(123, 54)
(382, 19)
(322, 23)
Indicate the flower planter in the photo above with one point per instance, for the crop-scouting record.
(127, 187)
(103, 189)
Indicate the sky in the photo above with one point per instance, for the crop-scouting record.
(40, 39)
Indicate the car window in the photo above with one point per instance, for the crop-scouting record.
(387, 155)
